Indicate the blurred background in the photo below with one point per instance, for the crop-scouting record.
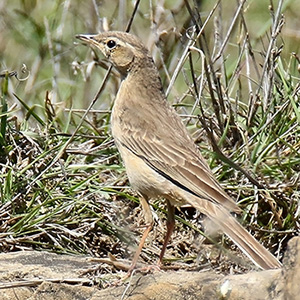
(37, 40)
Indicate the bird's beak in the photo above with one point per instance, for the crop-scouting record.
(93, 40)
(87, 38)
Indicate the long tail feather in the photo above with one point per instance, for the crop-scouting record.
(240, 236)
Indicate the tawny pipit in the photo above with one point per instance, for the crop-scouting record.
(160, 156)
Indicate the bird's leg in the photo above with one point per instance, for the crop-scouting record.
(170, 228)
(149, 224)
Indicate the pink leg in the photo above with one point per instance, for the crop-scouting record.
(149, 224)
(170, 228)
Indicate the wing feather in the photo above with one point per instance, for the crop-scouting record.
(180, 163)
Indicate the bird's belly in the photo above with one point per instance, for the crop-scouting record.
(141, 177)
(146, 181)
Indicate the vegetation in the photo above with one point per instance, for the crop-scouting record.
(231, 72)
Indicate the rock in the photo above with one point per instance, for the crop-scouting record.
(41, 275)
(195, 286)
(291, 270)
(23, 276)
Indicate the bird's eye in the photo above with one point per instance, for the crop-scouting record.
(111, 44)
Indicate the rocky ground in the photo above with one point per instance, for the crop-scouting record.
(37, 275)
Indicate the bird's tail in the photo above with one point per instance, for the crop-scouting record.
(240, 236)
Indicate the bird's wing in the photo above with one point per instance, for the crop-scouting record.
(172, 153)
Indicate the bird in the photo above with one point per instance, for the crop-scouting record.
(161, 159)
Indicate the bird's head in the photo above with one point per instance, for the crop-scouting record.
(120, 48)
